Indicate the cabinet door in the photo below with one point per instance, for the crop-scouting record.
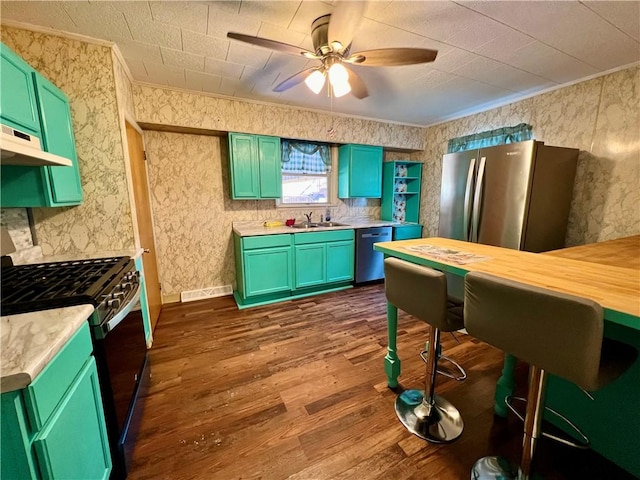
(17, 92)
(57, 137)
(244, 166)
(311, 261)
(366, 171)
(340, 261)
(73, 444)
(267, 270)
(269, 160)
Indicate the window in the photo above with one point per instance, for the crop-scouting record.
(306, 173)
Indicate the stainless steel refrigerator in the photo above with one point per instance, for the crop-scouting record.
(515, 196)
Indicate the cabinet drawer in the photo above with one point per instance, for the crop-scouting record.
(317, 237)
(46, 391)
(266, 241)
(407, 232)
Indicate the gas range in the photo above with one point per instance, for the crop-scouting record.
(105, 283)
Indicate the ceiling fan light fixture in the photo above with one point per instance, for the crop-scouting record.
(339, 78)
(315, 81)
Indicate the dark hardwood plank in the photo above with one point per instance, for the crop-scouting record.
(297, 390)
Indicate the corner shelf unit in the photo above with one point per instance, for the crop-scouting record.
(401, 191)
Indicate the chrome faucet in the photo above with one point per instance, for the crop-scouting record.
(308, 216)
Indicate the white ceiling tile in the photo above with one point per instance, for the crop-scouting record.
(137, 69)
(112, 24)
(373, 10)
(139, 50)
(624, 15)
(48, 14)
(496, 48)
(307, 13)
(248, 55)
(228, 86)
(204, 45)
(547, 62)
(202, 82)
(166, 74)
(221, 22)
(161, 34)
(452, 59)
(134, 9)
(222, 68)
(178, 58)
(276, 12)
(189, 15)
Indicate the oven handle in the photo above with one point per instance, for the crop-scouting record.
(113, 323)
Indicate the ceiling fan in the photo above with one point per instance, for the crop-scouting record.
(332, 35)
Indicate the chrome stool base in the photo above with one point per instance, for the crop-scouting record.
(494, 468)
(437, 423)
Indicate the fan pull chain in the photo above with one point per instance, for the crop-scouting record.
(331, 130)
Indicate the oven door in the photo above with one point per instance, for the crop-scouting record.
(121, 355)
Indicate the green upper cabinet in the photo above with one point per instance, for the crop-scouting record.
(18, 107)
(57, 134)
(255, 166)
(360, 171)
(38, 186)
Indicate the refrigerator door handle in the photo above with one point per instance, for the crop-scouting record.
(477, 199)
(468, 194)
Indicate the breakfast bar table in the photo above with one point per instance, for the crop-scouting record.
(606, 272)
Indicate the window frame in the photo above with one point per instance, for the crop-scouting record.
(332, 187)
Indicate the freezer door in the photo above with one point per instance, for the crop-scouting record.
(456, 194)
(502, 192)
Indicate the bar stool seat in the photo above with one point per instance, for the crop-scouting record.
(555, 333)
(422, 292)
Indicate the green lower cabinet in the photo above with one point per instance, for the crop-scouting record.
(267, 270)
(311, 263)
(340, 261)
(74, 443)
(144, 304)
(55, 427)
(273, 268)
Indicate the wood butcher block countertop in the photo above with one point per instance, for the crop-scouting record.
(594, 275)
(622, 252)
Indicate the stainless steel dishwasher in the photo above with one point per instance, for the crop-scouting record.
(369, 263)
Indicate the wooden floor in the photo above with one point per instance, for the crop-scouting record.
(297, 390)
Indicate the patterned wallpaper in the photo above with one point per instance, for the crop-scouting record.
(124, 87)
(85, 73)
(173, 107)
(193, 210)
(600, 117)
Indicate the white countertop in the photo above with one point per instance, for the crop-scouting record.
(28, 342)
(249, 229)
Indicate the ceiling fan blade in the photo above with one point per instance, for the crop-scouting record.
(389, 57)
(294, 80)
(358, 88)
(272, 44)
(344, 22)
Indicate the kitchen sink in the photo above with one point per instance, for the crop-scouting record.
(317, 225)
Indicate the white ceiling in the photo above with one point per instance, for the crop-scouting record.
(490, 52)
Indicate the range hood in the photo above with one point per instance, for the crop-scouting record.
(24, 149)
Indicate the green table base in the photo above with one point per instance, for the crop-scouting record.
(391, 360)
(506, 385)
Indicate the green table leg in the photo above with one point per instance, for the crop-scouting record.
(506, 385)
(391, 360)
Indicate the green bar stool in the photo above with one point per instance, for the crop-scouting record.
(422, 292)
(555, 333)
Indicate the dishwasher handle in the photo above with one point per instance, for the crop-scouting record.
(371, 235)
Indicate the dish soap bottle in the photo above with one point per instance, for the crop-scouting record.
(327, 216)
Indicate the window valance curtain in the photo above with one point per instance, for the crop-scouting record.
(499, 136)
(305, 157)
